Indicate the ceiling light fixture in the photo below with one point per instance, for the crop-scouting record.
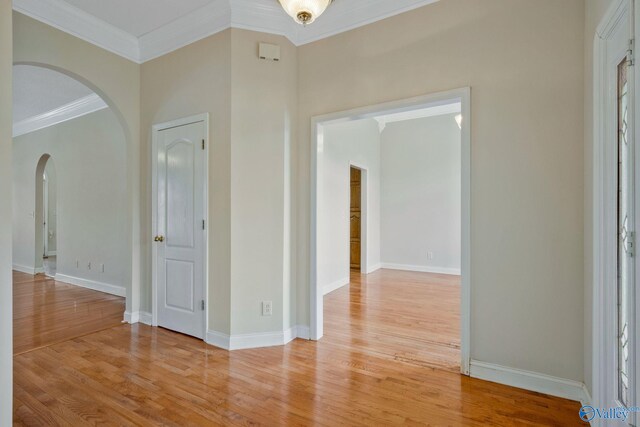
(305, 11)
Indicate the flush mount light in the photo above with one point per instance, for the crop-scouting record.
(305, 11)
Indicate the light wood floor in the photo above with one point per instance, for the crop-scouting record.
(398, 315)
(47, 312)
(357, 375)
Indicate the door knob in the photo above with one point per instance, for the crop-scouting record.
(159, 239)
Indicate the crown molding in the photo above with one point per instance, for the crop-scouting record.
(256, 15)
(73, 110)
(343, 16)
(201, 23)
(67, 18)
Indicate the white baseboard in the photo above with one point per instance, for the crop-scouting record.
(24, 269)
(52, 253)
(303, 332)
(39, 270)
(138, 317)
(533, 381)
(260, 340)
(327, 289)
(422, 269)
(374, 268)
(90, 284)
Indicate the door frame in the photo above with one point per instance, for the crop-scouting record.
(604, 228)
(156, 129)
(45, 214)
(462, 95)
(364, 216)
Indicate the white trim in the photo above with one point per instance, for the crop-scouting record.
(39, 270)
(440, 110)
(120, 291)
(52, 253)
(199, 24)
(24, 269)
(302, 332)
(604, 225)
(156, 129)
(462, 95)
(143, 317)
(70, 19)
(217, 16)
(532, 381)
(78, 108)
(422, 269)
(259, 340)
(327, 289)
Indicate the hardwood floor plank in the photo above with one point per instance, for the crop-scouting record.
(390, 356)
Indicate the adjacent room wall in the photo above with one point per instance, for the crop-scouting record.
(89, 154)
(6, 299)
(527, 145)
(595, 11)
(421, 195)
(355, 142)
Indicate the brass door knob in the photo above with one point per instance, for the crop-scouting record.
(159, 239)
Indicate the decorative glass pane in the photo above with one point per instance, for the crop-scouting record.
(625, 237)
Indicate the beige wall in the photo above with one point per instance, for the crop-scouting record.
(595, 10)
(524, 63)
(252, 107)
(263, 123)
(192, 80)
(114, 78)
(527, 156)
(6, 301)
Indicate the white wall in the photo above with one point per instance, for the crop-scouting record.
(421, 194)
(6, 301)
(357, 142)
(89, 156)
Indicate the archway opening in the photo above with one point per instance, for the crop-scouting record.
(71, 178)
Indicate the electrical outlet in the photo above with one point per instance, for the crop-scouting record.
(102, 268)
(267, 308)
(430, 255)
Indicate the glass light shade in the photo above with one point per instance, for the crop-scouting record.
(305, 11)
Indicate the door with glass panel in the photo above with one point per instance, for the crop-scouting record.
(622, 68)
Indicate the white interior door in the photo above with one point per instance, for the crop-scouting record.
(180, 239)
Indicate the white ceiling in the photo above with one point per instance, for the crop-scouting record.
(39, 90)
(138, 17)
(141, 30)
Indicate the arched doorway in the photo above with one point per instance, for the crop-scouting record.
(46, 234)
(131, 208)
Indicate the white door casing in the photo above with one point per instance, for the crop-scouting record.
(615, 198)
(179, 270)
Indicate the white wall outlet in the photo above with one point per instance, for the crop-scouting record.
(267, 308)
(429, 255)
